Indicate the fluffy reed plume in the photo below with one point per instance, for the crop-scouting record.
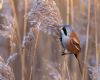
(31, 27)
(47, 13)
(6, 72)
(43, 17)
(94, 72)
(53, 72)
(15, 22)
(11, 58)
(37, 37)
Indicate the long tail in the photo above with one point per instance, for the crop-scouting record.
(78, 59)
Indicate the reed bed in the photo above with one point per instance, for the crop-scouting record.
(31, 29)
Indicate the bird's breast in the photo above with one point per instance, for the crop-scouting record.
(65, 40)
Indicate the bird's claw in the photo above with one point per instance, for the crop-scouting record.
(63, 53)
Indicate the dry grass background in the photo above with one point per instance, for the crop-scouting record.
(29, 34)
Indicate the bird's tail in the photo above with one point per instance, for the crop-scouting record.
(78, 59)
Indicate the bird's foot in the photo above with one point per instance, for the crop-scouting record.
(63, 53)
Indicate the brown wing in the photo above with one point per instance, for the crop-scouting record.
(74, 43)
(76, 47)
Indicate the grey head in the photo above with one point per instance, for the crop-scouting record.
(65, 34)
(66, 30)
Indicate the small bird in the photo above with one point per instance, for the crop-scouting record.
(70, 42)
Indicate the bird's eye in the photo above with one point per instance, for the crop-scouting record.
(65, 31)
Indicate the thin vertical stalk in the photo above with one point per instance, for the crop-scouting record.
(25, 13)
(74, 71)
(96, 41)
(1, 4)
(87, 41)
(25, 26)
(16, 26)
(72, 12)
(36, 42)
(34, 54)
(67, 17)
(66, 58)
(22, 66)
(15, 21)
(68, 72)
(64, 68)
(71, 23)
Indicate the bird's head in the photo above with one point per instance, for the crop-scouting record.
(66, 30)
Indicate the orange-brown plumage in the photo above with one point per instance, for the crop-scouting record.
(70, 42)
(73, 44)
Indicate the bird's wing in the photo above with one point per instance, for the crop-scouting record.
(76, 43)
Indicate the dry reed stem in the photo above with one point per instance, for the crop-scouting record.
(16, 26)
(25, 27)
(1, 4)
(96, 39)
(72, 13)
(65, 68)
(37, 37)
(68, 72)
(67, 17)
(72, 23)
(74, 71)
(25, 13)
(22, 65)
(34, 54)
(66, 58)
(87, 42)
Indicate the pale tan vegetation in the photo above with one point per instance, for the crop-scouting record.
(29, 39)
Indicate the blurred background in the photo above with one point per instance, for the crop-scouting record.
(30, 29)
